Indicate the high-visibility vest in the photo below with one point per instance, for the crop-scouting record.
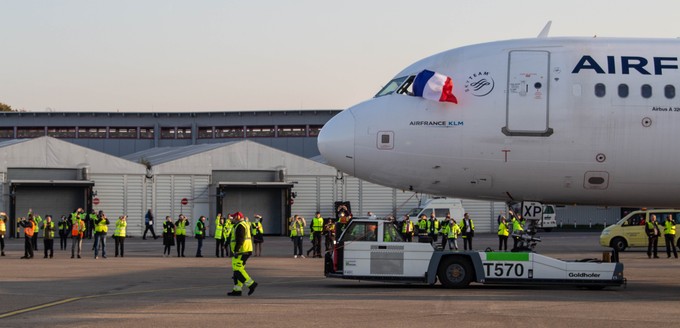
(121, 226)
(462, 225)
(30, 229)
(669, 227)
(218, 230)
(38, 222)
(454, 231)
(433, 225)
(317, 224)
(297, 229)
(181, 228)
(503, 229)
(407, 227)
(3, 227)
(422, 225)
(256, 228)
(226, 230)
(78, 228)
(247, 241)
(102, 225)
(49, 230)
(200, 226)
(516, 225)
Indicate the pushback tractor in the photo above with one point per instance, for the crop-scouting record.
(370, 249)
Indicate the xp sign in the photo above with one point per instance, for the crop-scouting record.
(532, 210)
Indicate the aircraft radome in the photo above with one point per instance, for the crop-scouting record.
(565, 120)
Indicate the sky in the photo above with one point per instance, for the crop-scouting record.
(209, 55)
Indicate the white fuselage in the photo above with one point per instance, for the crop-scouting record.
(544, 119)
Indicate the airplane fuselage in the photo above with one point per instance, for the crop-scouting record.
(556, 120)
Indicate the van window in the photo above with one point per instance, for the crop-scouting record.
(441, 212)
(549, 210)
(635, 220)
(661, 217)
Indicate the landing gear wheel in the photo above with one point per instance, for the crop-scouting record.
(455, 272)
(619, 244)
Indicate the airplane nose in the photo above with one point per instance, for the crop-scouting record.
(336, 141)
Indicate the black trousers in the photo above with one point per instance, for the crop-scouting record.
(62, 241)
(200, 246)
(297, 245)
(502, 243)
(149, 227)
(407, 236)
(181, 244)
(317, 243)
(35, 241)
(653, 244)
(445, 240)
(49, 247)
(670, 244)
(28, 246)
(119, 243)
(219, 247)
(2, 243)
(467, 242)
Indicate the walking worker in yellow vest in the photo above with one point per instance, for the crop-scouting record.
(242, 248)
(48, 236)
(3, 230)
(101, 228)
(119, 235)
(669, 235)
(219, 235)
(503, 233)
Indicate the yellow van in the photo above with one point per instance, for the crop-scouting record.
(630, 231)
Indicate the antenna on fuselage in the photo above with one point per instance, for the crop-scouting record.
(545, 30)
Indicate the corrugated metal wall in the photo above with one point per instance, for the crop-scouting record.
(135, 207)
(378, 199)
(168, 194)
(3, 192)
(307, 202)
(586, 215)
(483, 213)
(122, 195)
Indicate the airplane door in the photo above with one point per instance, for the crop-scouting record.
(527, 94)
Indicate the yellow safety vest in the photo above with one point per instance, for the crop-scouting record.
(317, 224)
(454, 231)
(120, 228)
(3, 227)
(297, 229)
(218, 230)
(669, 228)
(407, 227)
(247, 241)
(181, 228)
(503, 229)
(49, 230)
(102, 226)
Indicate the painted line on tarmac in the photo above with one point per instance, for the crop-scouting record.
(73, 299)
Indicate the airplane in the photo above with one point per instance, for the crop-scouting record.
(559, 120)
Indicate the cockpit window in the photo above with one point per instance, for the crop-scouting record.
(400, 85)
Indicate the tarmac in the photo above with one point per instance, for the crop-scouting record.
(145, 289)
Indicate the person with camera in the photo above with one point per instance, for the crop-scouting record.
(3, 230)
(29, 230)
(77, 231)
(64, 226)
(297, 232)
(168, 236)
(119, 234)
(101, 228)
(242, 248)
(181, 234)
(48, 236)
(38, 220)
(199, 233)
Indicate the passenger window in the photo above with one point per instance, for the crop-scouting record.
(635, 220)
(669, 91)
(391, 234)
(441, 212)
(646, 91)
(623, 90)
(362, 231)
(600, 90)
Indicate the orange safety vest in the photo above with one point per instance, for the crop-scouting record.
(77, 229)
(30, 229)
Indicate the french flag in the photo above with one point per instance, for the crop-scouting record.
(434, 86)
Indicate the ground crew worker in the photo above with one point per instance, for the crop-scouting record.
(297, 232)
(90, 222)
(199, 233)
(503, 233)
(257, 233)
(329, 234)
(77, 233)
(101, 228)
(226, 232)
(64, 229)
(422, 226)
(38, 220)
(48, 236)
(467, 228)
(433, 227)
(181, 234)
(219, 235)
(242, 248)
(652, 230)
(342, 223)
(168, 236)
(3, 230)
(444, 231)
(454, 232)
(669, 235)
(29, 229)
(317, 229)
(407, 229)
(119, 235)
(517, 229)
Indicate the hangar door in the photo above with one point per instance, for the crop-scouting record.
(267, 199)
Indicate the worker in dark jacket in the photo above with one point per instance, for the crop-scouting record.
(653, 232)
